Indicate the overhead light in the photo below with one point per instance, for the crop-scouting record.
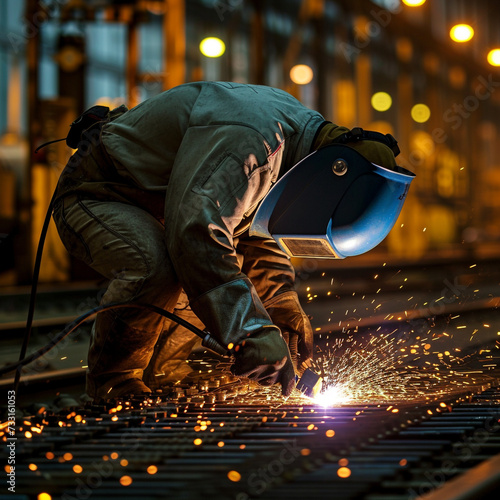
(461, 33)
(381, 101)
(494, 57)
(212, 47)
(301, 74)
(414, 3)
(420, 113)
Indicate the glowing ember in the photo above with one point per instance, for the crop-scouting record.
(234, 476)
(125, 480)
(344, 472)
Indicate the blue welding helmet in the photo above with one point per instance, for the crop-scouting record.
(332, 204)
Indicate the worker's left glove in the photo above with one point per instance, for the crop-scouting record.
(287, 314)
(265, 358)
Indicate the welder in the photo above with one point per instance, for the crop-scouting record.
(160, 199)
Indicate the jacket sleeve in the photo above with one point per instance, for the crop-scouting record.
(267, 266)
(273, 276)
(220, 175)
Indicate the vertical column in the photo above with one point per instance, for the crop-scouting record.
(321, 58)
(174, 30)
(364, 86)
(257, 50)
(24, 268)
(133, 54)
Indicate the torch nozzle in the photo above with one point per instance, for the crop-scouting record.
(310, 383)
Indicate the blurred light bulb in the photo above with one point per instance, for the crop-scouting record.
(414, 3)
(301, 74)
(420, 113)
(212, 47)
(494, 57)
(461, 33)
(381, 101)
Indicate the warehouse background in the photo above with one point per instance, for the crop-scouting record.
(381, 65)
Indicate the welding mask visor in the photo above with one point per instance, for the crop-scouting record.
(332, 204)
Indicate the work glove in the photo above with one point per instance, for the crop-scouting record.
(237, 319)
(287, 314)
(265, 358)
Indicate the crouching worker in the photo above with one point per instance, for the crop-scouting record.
(189, 202)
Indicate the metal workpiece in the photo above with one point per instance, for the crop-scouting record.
(157, 446)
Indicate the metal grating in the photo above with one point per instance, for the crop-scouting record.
(162, 448)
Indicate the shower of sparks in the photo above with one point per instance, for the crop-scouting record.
(373, 370)
(385, 369)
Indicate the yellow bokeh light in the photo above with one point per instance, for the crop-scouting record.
(212, 47)
(77, 469)
(420, 113)
(44, 496)
(381, 101)
(414, 3)
(152, 469)
(494, 57)
(461, 33)
(301, 74)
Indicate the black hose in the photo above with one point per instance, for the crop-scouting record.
(208, 341)
(34, 285)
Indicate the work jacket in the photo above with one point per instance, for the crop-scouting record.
(209, 152)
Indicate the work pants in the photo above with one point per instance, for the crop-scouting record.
(126, 244)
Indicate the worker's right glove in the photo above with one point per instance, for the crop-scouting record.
(237, 319)
(287, 314)
(265, 358)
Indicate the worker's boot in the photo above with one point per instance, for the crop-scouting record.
(169, 363)
(114, 348)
